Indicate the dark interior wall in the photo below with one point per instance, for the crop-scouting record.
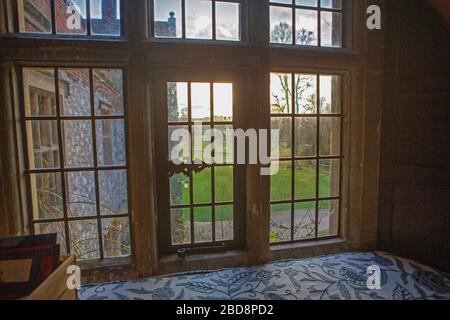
(414, 185)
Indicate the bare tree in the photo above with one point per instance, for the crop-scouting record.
(282, 103)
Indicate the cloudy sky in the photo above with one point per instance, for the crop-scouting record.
(199, 18)
(307, 19)
(325, 87)
(223, 99)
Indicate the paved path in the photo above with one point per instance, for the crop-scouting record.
(280, 224)
(304, 218)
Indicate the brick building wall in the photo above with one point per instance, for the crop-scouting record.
(37, 16)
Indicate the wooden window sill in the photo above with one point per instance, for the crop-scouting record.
(307, 249)
(105, 263)
(108, 270)
(97, 271)
(173, 264)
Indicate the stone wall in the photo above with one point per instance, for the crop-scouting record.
(75, 101)
(79, 141)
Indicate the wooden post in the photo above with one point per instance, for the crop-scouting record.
(258, 186)
(142, 169)
(11, 219)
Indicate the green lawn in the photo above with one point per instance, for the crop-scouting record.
(305, 188)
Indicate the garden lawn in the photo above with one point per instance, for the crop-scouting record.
(305, 188)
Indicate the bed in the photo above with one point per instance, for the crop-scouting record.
(334, 277)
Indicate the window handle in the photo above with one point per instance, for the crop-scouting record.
(187, 169)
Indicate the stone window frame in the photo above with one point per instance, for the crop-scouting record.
(358, 62)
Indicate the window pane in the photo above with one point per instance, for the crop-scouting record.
(306, 24)
(281, 1)
(198, 19)
(43, 144)
(223, 144)
(105, 17)
(39, 92)
(280, 25)
(314, 178)
(306, 95)
(168, 18)
(329, 178)
(280, 183)
(84, 239)
(202, 186)
(304, 220)
(305, 179)
(306, 3)
(223, 102)
(284, 127)
(330, 97)
(74, 92)
(108, 92)
(113, 192)
(35, 16)
(55, 227)
(201, 101)
(227, 21)
(180, 226)
(179, 190)
(305, 137)
(331, 26)
(77, 146)
(224, 223)
(332, 4)
(46, 195)
(280, 223)
(111, 142)
(328, 218)
(223, 177)
(116, 237)
(330, 136)
(281, 88)
(202, 224)
(71, 17)
(80, 193)
(44, 148)
(202, 144)
(177, 101)
(179, 143)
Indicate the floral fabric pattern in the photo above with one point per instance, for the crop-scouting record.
(335, 277)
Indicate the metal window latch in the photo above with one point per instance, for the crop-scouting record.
(187, 169)
(218, 248)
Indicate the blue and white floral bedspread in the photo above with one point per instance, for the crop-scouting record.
(336, 277)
